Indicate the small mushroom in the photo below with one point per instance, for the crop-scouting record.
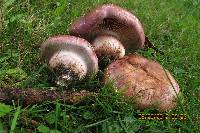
(145, 80)
(70, 58)
(111, 29)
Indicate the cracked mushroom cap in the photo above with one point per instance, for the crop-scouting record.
(110, 20)
(145, 80)
(73, 53)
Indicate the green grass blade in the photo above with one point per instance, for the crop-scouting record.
(14, 121)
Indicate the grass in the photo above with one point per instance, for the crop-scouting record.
(172, 25)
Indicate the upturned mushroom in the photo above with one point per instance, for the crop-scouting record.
(144, 80)
(110, 29)
(70, 58)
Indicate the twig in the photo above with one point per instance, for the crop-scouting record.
(30, 96)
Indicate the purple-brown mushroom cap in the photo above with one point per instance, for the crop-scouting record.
(110, 20)
(145, 80)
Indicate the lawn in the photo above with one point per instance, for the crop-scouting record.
(171, 25)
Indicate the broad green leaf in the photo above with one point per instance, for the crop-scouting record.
(43, 129)
(16, 73)
(4, 109)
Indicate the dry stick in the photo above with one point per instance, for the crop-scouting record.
(31, 96)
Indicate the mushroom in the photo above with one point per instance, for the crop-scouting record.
(70, 58)
(144, 80)
(111, 29)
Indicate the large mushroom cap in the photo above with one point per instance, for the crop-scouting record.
(70, 51)
(145, 80)
(110, 20)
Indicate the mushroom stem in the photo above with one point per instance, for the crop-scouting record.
(67, 66)
(109, 46)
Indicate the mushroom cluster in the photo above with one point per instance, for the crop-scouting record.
(111, 31)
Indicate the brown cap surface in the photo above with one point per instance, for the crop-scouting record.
(110, 20)
(145, 80)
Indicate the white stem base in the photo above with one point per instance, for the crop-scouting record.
(109, 46)
(71, 62)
